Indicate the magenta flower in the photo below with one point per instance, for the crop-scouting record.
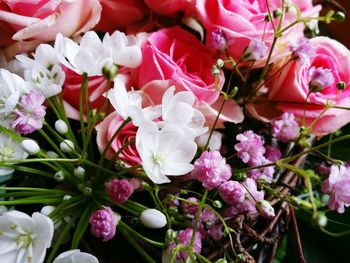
(272, 153)
(250, 148)
(211, 169)
(337, 186)
(285, 129)
(184, 238)
(189, 207)
(119, 190)
(103, 223)
(30, 117)
(232, 192)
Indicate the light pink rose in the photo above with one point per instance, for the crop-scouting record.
(105, 131)
(41, 20)
(173, 56)
(288, 90)
(171, 7)
(244, 20)
(97, 86)
(119, 14)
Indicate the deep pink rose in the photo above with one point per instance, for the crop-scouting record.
(244, 20)
(41, 20)
(71, 92)
(171, 7)
(288, 90)
(118, 14)
(173, 56)
(105, 131)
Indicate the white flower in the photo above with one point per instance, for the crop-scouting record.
(10, 150)
(164, 152)
(11, 88)
(153, 218)
(44, 70)
(214, 142)
(75, 256)
(125, 50)
(178, 110)
(89, 57)
(24, 239)
(129, 104)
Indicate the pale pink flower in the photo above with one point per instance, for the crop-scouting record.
(232, 192)
(337, 185)
(285, 129)
(250, 148)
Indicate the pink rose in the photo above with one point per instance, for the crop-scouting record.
(173, 56)
(41, 20)
(118, 14)
(71, 92)
(242, 21)
(288, 90)
(105, 131)
(171, 7)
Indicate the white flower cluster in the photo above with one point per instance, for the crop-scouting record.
(166, 132)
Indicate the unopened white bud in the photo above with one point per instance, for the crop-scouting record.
(61, 127)
(79, 172)
(265, 209)
(67, 146)
(67, 197)
(153, 218)
(59, 176)
(220, 63)
(51, 154)
(30, 146)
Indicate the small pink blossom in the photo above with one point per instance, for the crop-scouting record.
(184, 238)
(119, 190)
(302, 50)
(256, 50)
(250, 148)
(337, 186)
(232, 192)
(272, 153)
(218, 39)
(321, 78)
(30, 117)
(211, 169)
(103, 223)
(265, 173)
(285, 129)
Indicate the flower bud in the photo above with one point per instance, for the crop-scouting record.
(119, 190)
(319, 220)
(67, 197)
(339, 16)
(61, 127)
(341, 85)
(103, 223)
(59, 176)
(217, 204)
(30, 146)
(277, 13)
(215, 71)
(170, 235)
(221, 260)
(67, 146)
(153, 218)
(219, 63)
(79, 172)
(51, 154)
(110, 71)
(87, 191)
(265, 209)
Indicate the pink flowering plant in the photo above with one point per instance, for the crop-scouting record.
(171, 131)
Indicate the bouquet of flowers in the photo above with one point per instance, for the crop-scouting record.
(170, 131)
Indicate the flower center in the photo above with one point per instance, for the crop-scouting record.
(159, 158)
(6, 152)
(24, 241)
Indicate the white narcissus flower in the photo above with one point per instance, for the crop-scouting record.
(178, 110)
(10, 150)
(75, 256)
(44, 70)
(24, 239)
(89, 57)
(129, 104)
(164, 152)
(124, 50)
(11, 89)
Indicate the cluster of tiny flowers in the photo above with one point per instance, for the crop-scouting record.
(257, 49)
(184, 238)
(29, 117)
(303, 50)
(119, 190)
(232, 192)
(250, 148)
(320, 78)
(211, 169)
(285, 129)
(103, 223)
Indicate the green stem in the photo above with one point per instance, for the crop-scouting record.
(138, 248)
(195, 227)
